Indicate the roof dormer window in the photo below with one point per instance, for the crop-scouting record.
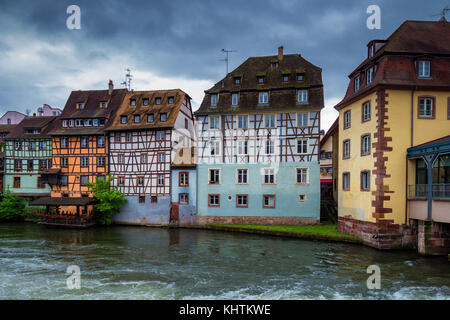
(137, 118)
(132, 102)
(123, 119)
(424, 69)
(260, 79)
(371, 51)
(64, 123)
(163, 117)
(356, 83)
(300, 76)
(158, 100)
(369, 75)
(145, 101)
(285, 77)
(150, 118)
(103, 105)
(80, 106)
(213, 100)
(171, 100)
(237, 80)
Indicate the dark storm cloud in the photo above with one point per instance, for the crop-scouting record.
(179, 38)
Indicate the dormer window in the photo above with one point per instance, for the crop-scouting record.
(302, 96)
(371, 51)
(145, 101)
(158, 100)
(103, 105)
(263, 97)
(234, 99)
(424, 69)
(150, 117)
(133, 102)
(101, 122)
(64, 123)
(369, 75)
(357, 83)
(95, 122)
(285, 77)
(300, 76)
(260, 79)
(237, 80)
(80, 106)
(78, 123)
(123, 119)
(137, 118)
(9, 120)
(88, 122)
(171, 99)
(71, 123)
(163, 117)
(213, 100)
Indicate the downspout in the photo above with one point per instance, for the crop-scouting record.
(412, 143)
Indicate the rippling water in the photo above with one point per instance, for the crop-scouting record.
(151, 263)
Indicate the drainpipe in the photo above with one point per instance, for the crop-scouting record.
(412, 116)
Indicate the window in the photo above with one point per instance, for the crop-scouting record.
(63, 180)
(140, 181)
(16, 183)
(121, 181)
(163, 117)
(32, 145)
(357, 83)
(268, 201)
(366, 111)
(426, 107)
(64, 123)
(150, 117)
(170, 100)
(242, 147)
(269, 147)
(242, 176)
(101, 161)
(129, 137)
(285, 78)
(117, 137)
(302, 146)
(242, 122)
(84, 142)
(214, 100)
(95, 122)
(302, 96)
(30, 165)
(241, 201)
(158, 100)
(121, 158)
(365, 144)
(302, 119)
(160, 135)
(214, 176)
(302, 175)
(101, 141)
(39, 184)
(161, 180)
(9, 121)
(71, 123)
(41, 145)
(269, 176)
(237, 80)
(143, 158)
(161, 157)
(260, 79)
(301, 197)
(84, 161)
(300, 76)
(17, 165)
(371, 51)
(154, 199)
(43, 164)
(64, 162)
(123, 119)
(103, 105)
(365, 180)
(17, 145)
(141, 199)
(269, 120)
(213, 200)
(346, 148)
(369, 76)
(214, 122)
(347, 119)
(132, 102)
(346, 181)
(78, 123)
(186, 123)
(83, 180)
(424, 69)
(263, 97)
(145, 101)
(80, 106)
(234, 99)
(183, 179)
(137, 118)
(214, 147)
(183, 198)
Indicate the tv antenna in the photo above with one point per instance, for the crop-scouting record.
(128, 78)
(226, 59)
(442, 14)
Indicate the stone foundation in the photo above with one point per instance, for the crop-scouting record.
(204, 220)
(433, 238)
(383, 234)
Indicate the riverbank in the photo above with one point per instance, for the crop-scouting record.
(323, 232)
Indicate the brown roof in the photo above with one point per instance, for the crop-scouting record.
(282, 94)
(394, 61)
(5, 128)
(45, 124)
(91, 110)
(152, 108)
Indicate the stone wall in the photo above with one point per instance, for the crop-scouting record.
(204, 220)
(433, 238)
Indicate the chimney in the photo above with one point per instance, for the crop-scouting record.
(280, 53)
(110, 87)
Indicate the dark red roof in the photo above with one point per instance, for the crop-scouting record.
(45, 124)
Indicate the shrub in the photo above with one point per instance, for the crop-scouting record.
(12, 207)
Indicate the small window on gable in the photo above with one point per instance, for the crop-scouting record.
(213, 100)
(145, 101)
(300, 76)
(237, 80)
(163, 117)
(103, 105)
(263, 97)
(285, 77)
(137, 118)
(80, 106)
(158, 100)
(260, 79)
(123, 119)
(234, 99)
(171, 100)
(150, 117)
(132, 102)
(424, 69)
(356, 83)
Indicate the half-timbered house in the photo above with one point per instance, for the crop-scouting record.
(4, 131)
(149, 129)
(258, 143)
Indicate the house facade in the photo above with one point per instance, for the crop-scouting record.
(146, 134)
(11, 117)
(326, 162)
(258, 143)
(28, 152)
(5, 129)
(398, 98)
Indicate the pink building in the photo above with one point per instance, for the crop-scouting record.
(12, 117)
(47, 110)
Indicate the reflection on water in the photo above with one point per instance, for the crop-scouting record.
(152, 263)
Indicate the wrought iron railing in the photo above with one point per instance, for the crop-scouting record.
(438, 190)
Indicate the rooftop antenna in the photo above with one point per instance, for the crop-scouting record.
(128, 78)
(226, 59)
(442, 14)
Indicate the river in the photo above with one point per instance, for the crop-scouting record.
(123, 262)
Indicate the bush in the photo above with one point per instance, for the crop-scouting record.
(109, 199)
(12, 207)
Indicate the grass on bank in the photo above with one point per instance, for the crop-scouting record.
(330, 230)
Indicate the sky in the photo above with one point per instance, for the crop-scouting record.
(177, 43)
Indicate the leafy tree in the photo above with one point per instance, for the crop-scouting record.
(12, 207)
(109, 199)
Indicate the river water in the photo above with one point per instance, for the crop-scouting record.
(152, 263)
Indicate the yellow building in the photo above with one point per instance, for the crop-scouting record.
(398, 98)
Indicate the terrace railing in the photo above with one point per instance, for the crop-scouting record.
(420, 191)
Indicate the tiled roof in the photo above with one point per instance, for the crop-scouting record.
(5, 128)
(45, 124)
(126, 109)
(281, 94)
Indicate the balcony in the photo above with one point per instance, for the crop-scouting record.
(440, 203)
(420, 191)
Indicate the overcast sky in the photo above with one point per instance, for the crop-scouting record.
(177, 43)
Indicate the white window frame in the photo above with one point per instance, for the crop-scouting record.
(242, 172)
(269, 172)
(269, 118)
(234, 96)
(242, 147)
(217, 124)
(263, 97)
(344, 153)
(269, 144)
(302, 146)
(302, 96)
(214, 145)
(218, 175)
(424, 69)
(369, 76)
(301, 119)
(214, 100)
(365, 141)
(347, 119)
(357, 83)
(366, 113)
(427, 110)
(239, 122)
(306, 175)
(161, 180)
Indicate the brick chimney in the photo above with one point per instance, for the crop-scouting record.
(110, 87)
(280, 53)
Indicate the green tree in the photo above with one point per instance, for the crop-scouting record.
(12, 207)
(109, 199)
